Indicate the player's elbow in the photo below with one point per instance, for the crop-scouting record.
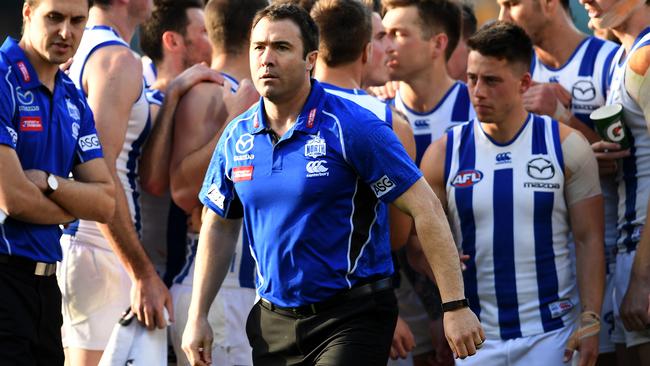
(184, 198)
(156, 187)
(105, 204)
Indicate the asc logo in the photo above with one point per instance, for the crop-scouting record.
(540, 168)
(244, 143)
(382, 186)
(583, 91)
(89, 142)
(467, 178)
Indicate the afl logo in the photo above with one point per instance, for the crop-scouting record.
(467, 178)
(615, 132)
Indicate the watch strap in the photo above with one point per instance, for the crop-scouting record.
(454, 305)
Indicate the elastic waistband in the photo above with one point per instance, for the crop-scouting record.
(28, 265)
(313, 309)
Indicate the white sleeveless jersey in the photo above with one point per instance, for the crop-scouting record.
(586, 77)
(360, 97)
(241, 272)
(508, 212)
(138, 128)
(454, 108)
(634, 178)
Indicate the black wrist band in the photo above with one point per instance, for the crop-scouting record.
(454, 305)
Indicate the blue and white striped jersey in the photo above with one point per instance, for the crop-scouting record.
(380, 109)
(138, 128)
(454, 108)
(634, 179)
(508, 212)
(585, 75)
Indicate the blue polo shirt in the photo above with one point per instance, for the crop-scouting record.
(310, 202)
(49, 131)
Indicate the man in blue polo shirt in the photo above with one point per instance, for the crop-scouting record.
(306, 169)
(46, 133)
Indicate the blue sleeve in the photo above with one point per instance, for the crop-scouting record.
(8, 133)
(379, 158)
(218, 191)
(88, 146)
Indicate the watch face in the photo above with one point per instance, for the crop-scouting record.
(52, 182)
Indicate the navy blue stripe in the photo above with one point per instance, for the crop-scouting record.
(630, 179)
(464, 205)
(98, 46)
(547, 281)
(504, 255)
(191, 246)
(72, 228)
(533, 61)
(422, 142)
(539, 136)
(461, 106)
(606, 75)
(589, 57)
(389, 116)
(557, 143)
(247, 264)
(449, 150)
(132, 172)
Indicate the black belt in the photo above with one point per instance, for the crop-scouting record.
(28, 265)
(313, 309)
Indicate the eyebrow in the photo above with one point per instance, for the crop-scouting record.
(273, 43)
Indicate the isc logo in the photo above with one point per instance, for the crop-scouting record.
(89, 142)
(467, 178)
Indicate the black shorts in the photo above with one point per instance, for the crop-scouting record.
(355, 332)
(30, 318)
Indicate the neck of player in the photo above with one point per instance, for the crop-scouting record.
(556, 53)
(281, 113)
(425, 90)
(45, 70)
(116, 19)
(504, 131)
(235, 65)
(627, 31)
(345, 76)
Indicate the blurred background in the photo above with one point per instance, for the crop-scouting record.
(11, 19)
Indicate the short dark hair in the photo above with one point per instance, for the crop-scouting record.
(435, 16)
(31, 3)
(299, 16)
(168, 15)
(469, 19)
(374, 5)
(503, 40)
(339, 47)
(305, 4)
(228, 23)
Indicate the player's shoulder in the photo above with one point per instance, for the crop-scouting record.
(348, 113)
(116, 59)
(640, 60)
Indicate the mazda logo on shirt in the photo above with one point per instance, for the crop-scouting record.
(244, 144)
(540, 168)
(583, 91)
(26, 98)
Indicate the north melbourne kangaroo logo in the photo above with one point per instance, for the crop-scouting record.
(540, 168)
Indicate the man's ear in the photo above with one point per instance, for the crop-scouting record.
(311, 60)
(526, 82)
(367, 50)
(438, 43)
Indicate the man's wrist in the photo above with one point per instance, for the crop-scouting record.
(454, 305)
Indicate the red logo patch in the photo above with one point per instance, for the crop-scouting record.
(31, 124)
(312, 116)
(256, 123)
(242, 173)
(23, 70)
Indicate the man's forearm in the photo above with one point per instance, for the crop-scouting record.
(189, 174)
(215, 249)
(587, 132)
(154, 163)
(641, 266)
(123, 239)
(590, 270)
(85, 200)
(438, 246)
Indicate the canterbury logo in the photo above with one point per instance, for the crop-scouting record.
(503, 157)
(317, 166)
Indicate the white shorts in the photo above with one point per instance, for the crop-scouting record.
(95, 291)
(622, 274)
(605, 344)
(546, 349)
(227, 317)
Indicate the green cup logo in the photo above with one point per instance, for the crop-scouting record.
(609, 124)
(615, 132)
